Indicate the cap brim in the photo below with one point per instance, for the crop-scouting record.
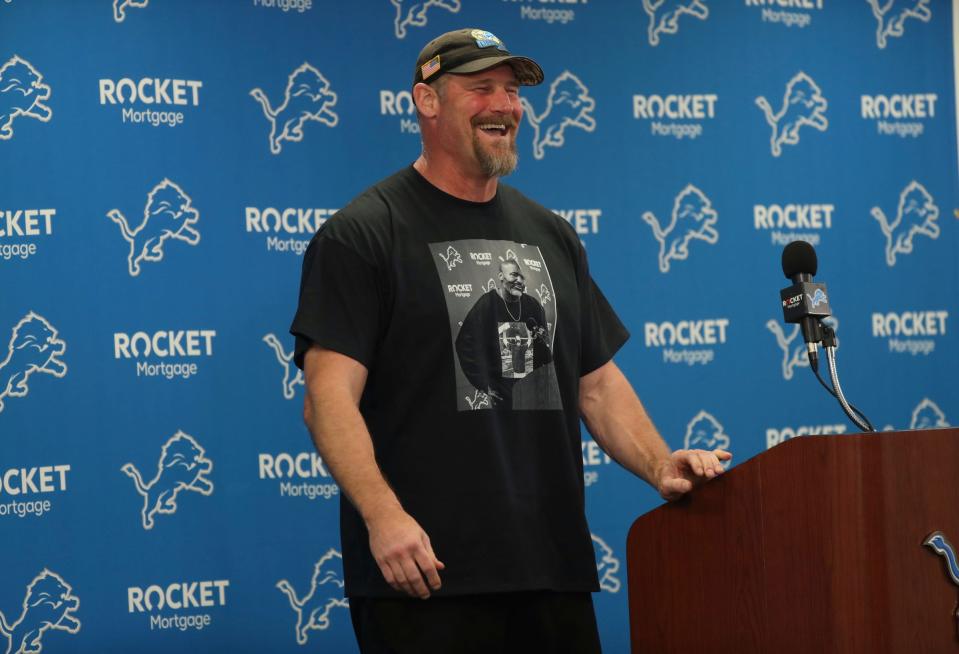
(528, 72)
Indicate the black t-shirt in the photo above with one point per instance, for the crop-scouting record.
(475, 322)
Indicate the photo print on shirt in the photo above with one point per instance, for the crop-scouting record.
(502, 311)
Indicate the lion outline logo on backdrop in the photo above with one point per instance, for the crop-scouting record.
(317, 605)
(893, 13)
(292, 376)
(307, 97)
(48, 604)
(451, 258)
(21, 94)
(120, 8)
(693, 217)
(704, 432)
(607, 565)
(803, 104)
(169, 213)
(928, 415)
(916, 214)
(34, 347)
(182, 466)
(568, 104)
(794, 356)
(413, 14)
(668, 20)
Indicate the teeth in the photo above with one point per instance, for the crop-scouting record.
(492, 126)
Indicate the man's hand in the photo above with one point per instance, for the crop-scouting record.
(685, 469)
(402, 550)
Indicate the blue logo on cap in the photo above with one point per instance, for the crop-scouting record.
(486, 39)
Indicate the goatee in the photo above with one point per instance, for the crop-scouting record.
(496, 162)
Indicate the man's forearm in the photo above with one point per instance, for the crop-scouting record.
(344, 443)
(331, 413)
(618, 422)
(398, 544)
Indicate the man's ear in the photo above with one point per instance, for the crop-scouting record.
(426, 99)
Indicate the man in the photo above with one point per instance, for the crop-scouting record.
(477, 510)
(503, 345)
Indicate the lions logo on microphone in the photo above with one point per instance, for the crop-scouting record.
(803, 104)
(891, 14)
(307, 97)
(664, 15)
(693, 218)
(916, 215)
(817, 298)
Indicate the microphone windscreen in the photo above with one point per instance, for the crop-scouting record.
(531, 324)
(799, 257)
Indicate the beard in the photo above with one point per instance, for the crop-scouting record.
(496, 161)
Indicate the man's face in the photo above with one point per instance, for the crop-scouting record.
(479, 116)
(512, 280)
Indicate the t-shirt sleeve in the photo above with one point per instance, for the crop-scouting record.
(339, 305)
(602, 331)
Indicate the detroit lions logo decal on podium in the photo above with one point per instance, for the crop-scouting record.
(937, 542)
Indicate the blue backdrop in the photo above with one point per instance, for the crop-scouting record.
(165, 163)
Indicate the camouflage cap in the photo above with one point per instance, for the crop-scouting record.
(471, 51)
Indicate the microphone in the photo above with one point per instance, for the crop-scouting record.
(805, 302)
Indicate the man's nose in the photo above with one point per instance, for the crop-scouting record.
(501, 101)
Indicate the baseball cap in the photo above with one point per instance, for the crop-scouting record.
(471, 51)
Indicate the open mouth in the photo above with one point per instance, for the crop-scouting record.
(494, 129)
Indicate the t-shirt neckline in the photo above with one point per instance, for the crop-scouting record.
(452, 198)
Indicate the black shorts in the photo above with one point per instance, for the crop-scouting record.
(540, 622)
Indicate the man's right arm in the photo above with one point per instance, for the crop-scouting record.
(401, 548)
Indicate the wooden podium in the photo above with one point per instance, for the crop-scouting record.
(815, 546)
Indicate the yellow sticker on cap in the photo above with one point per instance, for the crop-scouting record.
(430, 67)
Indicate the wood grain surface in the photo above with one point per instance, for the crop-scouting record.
(813, 547)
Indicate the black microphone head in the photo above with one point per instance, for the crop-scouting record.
(531, 324)
(799, 257)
